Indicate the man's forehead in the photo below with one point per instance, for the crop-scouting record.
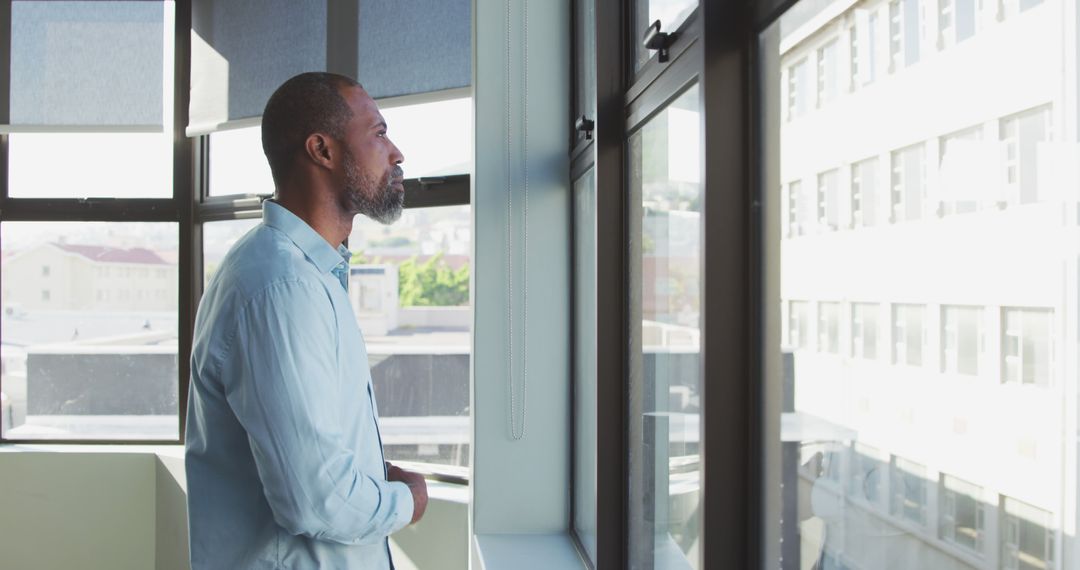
(363, 106)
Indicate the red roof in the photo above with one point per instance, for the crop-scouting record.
(106, 254)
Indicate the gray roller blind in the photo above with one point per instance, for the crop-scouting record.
(414, 46)
(87, 64)
(241, 50)
(244, 49)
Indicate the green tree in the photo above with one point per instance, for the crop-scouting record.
(432, 283)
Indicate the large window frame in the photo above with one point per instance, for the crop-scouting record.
(190, 206)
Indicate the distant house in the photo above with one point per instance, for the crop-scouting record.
(66, 277)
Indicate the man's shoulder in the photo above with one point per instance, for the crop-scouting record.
(261, 260)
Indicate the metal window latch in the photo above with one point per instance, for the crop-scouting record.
(585, 125)
(657, 40)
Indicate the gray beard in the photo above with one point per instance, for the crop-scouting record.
(376, 199)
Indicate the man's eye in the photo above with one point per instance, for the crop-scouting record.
(381, 133)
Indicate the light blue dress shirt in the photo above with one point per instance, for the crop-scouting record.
(284, 459)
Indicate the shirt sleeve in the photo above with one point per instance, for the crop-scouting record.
(281, 380)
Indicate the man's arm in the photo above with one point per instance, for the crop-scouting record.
(281, 381)
(416, 484)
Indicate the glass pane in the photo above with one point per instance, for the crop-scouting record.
(956, 188)
(671, 13)
(237, 163)
(89, 330)
(218, 239)
(585, 62)
(665, 380)
(90, 165)
(436, 139)
(585, 362)
(409, 286)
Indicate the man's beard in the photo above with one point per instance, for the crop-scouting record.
(376, 199)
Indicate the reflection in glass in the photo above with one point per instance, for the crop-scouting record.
(939, 252)
(409, 288)
(585, 361)
(89, 329)
(666, 387)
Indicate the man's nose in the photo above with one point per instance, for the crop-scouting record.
(396, 157)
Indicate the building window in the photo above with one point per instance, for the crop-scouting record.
(828, 200)
(799, 325)
(45, 271)
(796, 221)
(908, 480)
(853, 50)
(963, 514)
(46, 295)
(864, 193)
(1026, 351)
(867, 475)
(945, 23)
(864, 330)
(908, 183)
(1027, 536)
(798, 77)
(827, 73)
(829, 327)
(962, 339)
(959, 163)
(909, 334)
(1022, 134)
(904, 33)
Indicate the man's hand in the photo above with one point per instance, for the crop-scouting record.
(416, 484)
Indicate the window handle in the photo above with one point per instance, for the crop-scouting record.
(657, 40)
(585, 125)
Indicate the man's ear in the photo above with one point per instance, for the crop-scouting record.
(320, 150)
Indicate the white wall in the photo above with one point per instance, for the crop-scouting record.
(115, 508)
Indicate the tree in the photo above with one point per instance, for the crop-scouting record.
(432, 283)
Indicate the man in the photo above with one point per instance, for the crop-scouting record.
(284, 458)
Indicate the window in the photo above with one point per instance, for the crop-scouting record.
(862, 36)
(909, 334)
(798, 324)
(904, 33)
(829, 327)
(956, 21)
(864, 330)
(801, 210)
(962, 339)
(961, 160)
(1026, 349)
(409, 286)
(1027, 536)
(1022, 134)
(664, 455)
(827, 73)
(908, 480)
(90, 366)
(864, 193)
(585, 480)
(798, 87)
(963, 513)
(828, 200)
(866, 483)
(908, 183)
(89, 113)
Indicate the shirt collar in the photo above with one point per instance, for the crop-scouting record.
(321, 254)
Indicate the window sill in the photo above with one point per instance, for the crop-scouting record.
(525, 552)
(175, 451)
